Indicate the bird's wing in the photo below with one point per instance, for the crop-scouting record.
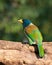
(33, 32)
(30, 40)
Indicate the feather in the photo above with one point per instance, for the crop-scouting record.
(40, 49)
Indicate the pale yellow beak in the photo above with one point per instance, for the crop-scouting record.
(20, 21)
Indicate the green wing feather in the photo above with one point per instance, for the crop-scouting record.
(35, 35)
(29, 39)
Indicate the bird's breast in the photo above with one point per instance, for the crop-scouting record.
(30, 28)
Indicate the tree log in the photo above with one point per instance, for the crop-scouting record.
(16, 53)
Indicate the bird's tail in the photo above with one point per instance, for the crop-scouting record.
(40, 49)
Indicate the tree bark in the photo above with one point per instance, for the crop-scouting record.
(16, 53)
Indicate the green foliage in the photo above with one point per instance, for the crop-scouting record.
(38, 11)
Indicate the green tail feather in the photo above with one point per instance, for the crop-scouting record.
(41, 50)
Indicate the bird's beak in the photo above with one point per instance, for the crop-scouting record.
(20, 21)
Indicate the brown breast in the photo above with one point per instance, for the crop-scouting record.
(30, 28)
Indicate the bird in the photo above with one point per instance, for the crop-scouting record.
(33, 35)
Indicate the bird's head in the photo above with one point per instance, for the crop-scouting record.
(25, 22)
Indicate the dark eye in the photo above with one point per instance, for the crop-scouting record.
(22, 19)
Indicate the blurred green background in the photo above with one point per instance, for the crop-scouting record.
(38, 11)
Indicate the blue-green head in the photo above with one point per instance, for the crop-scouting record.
(25, 22)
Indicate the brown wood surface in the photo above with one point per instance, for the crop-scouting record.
(16, 53)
